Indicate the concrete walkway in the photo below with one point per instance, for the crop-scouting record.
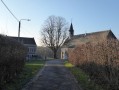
(54, 76)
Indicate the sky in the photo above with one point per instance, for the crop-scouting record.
(87, 16)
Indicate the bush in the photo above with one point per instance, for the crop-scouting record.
(12, 56)
(100, 61)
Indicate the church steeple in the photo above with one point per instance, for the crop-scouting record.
(71, 31)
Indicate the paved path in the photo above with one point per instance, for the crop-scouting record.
(54, 76)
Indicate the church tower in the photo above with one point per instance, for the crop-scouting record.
(71, 31)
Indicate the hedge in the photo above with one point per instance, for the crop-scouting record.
(100, 61)
(12, 57)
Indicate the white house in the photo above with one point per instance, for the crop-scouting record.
(30, 44)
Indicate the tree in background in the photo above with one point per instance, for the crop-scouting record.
(43, 52)
(54, 33)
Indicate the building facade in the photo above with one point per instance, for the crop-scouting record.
(74, 40)
(30, 44)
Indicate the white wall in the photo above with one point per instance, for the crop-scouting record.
(64, 53)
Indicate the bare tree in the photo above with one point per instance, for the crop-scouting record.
(44, 52)
(54, 33)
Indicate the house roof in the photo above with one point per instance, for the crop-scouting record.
(25, 40)
(88, 37)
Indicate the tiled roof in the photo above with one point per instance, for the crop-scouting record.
(25, 40)
(88, 37)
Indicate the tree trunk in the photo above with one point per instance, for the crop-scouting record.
(55, 54)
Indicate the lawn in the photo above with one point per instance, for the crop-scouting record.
(82, 78)
(30, 69)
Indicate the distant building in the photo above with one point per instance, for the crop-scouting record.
(75, 40)
(30, 44)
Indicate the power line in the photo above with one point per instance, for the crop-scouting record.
(10, 11)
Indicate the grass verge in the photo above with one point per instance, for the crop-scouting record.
(30, 69)
(82, 78)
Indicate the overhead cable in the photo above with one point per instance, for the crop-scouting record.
(10, 11)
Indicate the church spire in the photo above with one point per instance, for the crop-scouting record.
(71, 31)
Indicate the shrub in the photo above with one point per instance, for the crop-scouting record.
(12, 56)
(100, 61)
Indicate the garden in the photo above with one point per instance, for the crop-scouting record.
(15, 71)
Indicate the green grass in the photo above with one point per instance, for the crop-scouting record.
(82, 78)
(30, 69)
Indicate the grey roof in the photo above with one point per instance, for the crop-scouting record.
(25, 40)
(88, 37)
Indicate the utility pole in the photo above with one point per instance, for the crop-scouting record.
(19, 31)
(20, 27)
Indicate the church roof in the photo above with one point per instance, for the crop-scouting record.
(71, 28)
(88, 37)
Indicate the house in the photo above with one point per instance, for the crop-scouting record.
(74, 40)
(30, 44)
